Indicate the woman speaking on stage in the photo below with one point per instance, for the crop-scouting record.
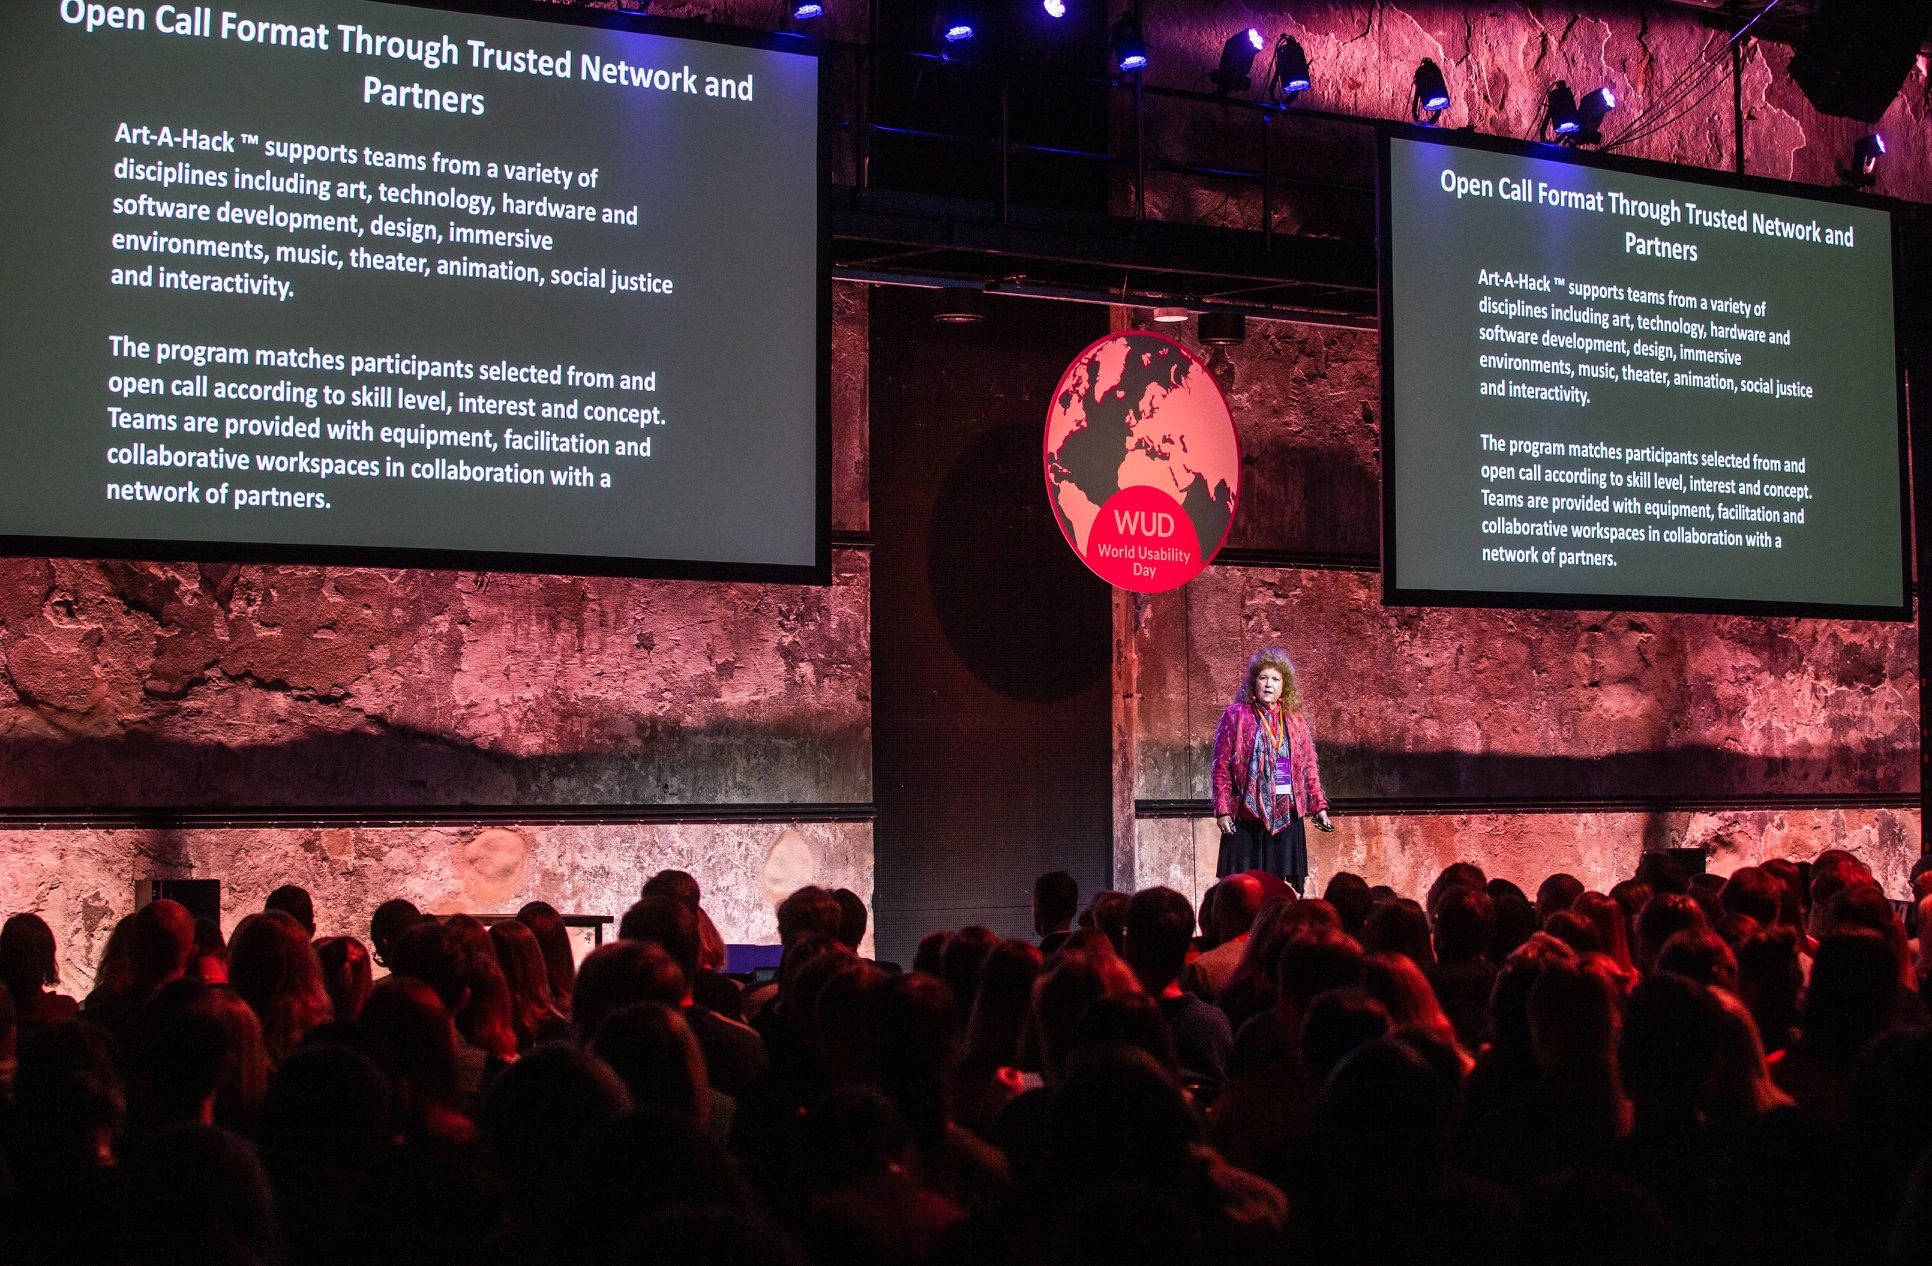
(1265, 778)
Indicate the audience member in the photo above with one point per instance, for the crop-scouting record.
(485, 1103)
(1159, 928)
(27, 967)
(1056, 899)
(295, 902)
(346, 974)
(1237, 902)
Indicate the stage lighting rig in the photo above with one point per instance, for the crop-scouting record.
(1431, 95)
(1866, 151)
(1055, 9)
(1289, 77)
(807, 10)
(1130, 50)
(957, 24)
(1237, 59)
(1222, 329)
(1568, 121)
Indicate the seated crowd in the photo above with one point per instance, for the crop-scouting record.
(1681, 1070)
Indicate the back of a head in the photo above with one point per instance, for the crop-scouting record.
(675, 884)
(1850, 998)
(1315, 962)
(521, 958)
(294, 901)
(1383, 1116)
(1400, 927)
(27, 956)
(1337, 1023)
(1753, 891)
(1005, 993)
(928, 955)
(960, 963)
(1555, 895)
(1108, 914)
(1668, 1044)
(346, 974)
(391, 919)
(1454, 875)
(161, 936)
(1861, 906)
(653, 1051)
(668, 923)
(1126, 1019)
(1575, 931)
(1572, 1016)
(1664, 916)
(540, 1108)
(1770, 976)
(1056, 899)
(633, 1171)
(1509, 997)
(1237, 900)
(328, 1110)
(1117, 1117)
(618, 974)
(853, 923)
(1062, 992)
(272, 965)
(1613, 927)
(1465, 923)
(1515, 919)
(1631, 896)
(1701, 956)
(198, 1194)
(913, 1044)
(1158, 930)
(553, 938)
(177, 1049)
(810, 909)
(1349, 894)
(416, 1037)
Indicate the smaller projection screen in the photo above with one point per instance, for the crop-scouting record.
(1606, 386)
(338, 281)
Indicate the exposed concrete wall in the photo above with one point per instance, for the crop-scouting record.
(81, 881)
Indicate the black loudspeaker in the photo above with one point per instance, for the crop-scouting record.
(1854, 54)
(202, 897)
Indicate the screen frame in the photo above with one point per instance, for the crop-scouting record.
(816, 572)
(1395, 594)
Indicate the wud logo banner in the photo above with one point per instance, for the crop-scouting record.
(1142, 465)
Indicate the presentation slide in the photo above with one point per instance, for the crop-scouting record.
(325, 278)
(1615, 389)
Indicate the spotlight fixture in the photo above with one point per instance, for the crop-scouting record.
(1431, 95)
(1290, 75)
(1171, 315)
(1574, 122)
(1223, 329)
(958, 23)
(1869, 149)
(806, 11)
(1237, 59)
(1056, 9)
(959, 305)
(1130, 50)
(1559, 112)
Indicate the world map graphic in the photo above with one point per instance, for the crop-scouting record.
(1138, 413)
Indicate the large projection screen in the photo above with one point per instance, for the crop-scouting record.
(1610, 386)
(337, 281)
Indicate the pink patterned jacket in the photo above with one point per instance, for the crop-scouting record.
(1234, 741)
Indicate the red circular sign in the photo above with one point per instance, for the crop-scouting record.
(1142, 465)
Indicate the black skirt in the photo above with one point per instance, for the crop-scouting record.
(1251, 847)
